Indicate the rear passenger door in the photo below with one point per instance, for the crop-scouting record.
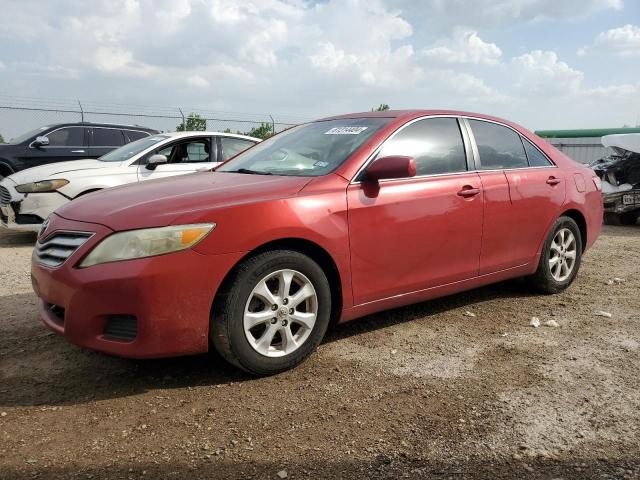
(523, 195)
(104, 139)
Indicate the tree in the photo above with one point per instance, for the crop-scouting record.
(265, 130)
(194, 123)
(1, 138)
(383, 107)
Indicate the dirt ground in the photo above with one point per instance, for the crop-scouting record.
(418, 392)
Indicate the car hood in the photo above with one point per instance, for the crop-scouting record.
(58, 170)
(157, 203)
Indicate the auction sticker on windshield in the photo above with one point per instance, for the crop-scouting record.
(345, 130)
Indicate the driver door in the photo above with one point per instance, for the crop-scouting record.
(183, 156)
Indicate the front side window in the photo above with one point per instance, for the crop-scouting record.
(129, 150)
(67, 137)
(232, 146)
(499, 147)
(309, 150)
(107, 137)
(192, 151)
(536, 157)
(434, 143)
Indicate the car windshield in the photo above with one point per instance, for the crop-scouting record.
(312, 149)
(29, 134)
(130, 149)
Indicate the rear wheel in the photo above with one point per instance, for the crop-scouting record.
(560, 257)
(273, 313)
(627, 218)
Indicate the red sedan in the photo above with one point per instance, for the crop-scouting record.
(330, 220)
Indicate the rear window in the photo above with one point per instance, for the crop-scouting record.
(107, 137)
(499, 147)
(232, 146)
(133, 135)
(535, 156)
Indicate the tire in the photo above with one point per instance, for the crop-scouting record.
(243, 299)
(627, 218)
(550, 277)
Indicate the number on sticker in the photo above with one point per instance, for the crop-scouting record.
(345, 131)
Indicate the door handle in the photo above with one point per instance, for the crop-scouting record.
(77, 151)
(468, 191)
(553, 181)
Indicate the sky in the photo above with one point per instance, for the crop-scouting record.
(542, 63)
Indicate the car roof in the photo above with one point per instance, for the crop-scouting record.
(101, 124)
(409, 114)
(207, 133)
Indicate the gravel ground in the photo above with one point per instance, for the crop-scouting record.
(423, 391)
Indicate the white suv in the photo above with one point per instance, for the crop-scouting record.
(29, 196)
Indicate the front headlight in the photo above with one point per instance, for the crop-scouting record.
(147, 242)
(42, 186)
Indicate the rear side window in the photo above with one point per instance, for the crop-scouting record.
(107, 137)
(233, 146)
(67, 137)
(435, 143)
(133, 135)
(499, 147)
(535, 156)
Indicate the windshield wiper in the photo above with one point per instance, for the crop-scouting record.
(250, 172)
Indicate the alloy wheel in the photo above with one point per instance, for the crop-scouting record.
(562, 258)
(280, 313)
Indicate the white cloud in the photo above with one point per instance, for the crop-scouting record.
(623, 42)
(197, 81)
(309, 59)
(112, 59)
(541, 72)
(465, 46)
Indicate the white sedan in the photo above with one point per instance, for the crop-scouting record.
(30, 196)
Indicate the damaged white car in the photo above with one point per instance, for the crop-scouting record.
(620, 176)
(30, 196)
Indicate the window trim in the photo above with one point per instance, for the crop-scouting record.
(466, 134)
(463, 134)
(124, 130)
(525, 139)
(84, 138)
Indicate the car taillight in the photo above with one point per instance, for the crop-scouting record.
(597, 182)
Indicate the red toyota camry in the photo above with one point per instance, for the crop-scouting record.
(329, 220)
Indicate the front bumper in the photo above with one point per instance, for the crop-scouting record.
(26, 212)
(169, 298)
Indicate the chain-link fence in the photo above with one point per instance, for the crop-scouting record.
(21, 114)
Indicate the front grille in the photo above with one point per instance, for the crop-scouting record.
(123, 328)
(5, 196)
(56, 248)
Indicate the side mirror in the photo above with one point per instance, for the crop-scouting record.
(41, 141)
(393, 166)
(155, 160)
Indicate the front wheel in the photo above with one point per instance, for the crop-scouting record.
(560, 257)
(273, 313)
